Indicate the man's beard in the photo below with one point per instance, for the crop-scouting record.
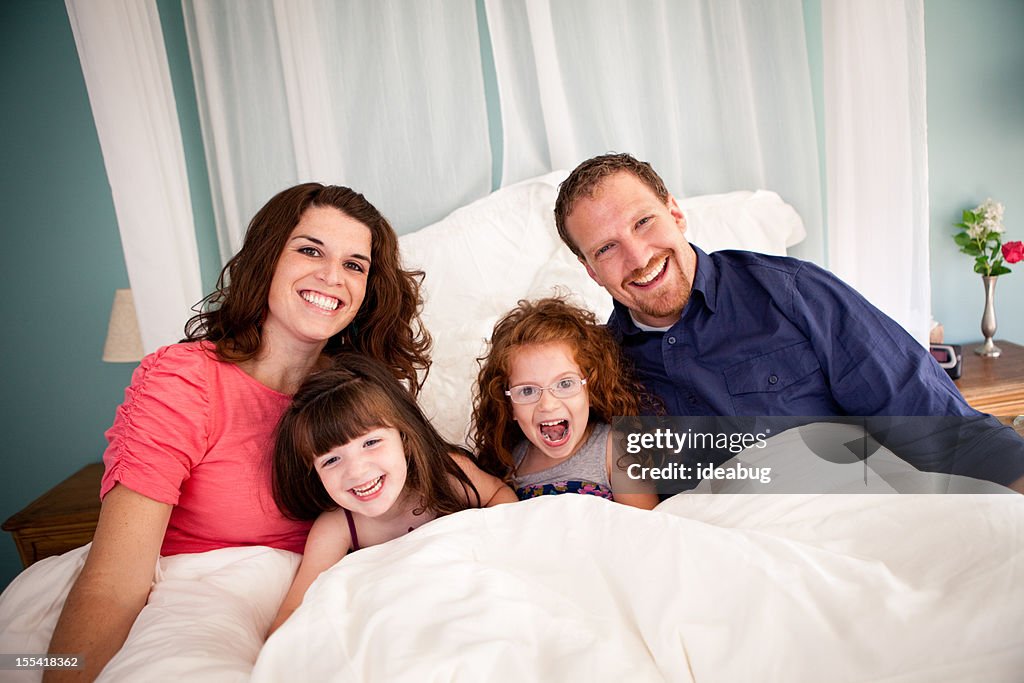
(669, 301)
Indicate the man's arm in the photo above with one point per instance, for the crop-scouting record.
(875, 368)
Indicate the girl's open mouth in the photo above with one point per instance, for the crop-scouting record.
(555, 432)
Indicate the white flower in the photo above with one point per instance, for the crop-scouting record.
(992, 220)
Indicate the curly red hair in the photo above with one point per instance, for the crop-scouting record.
(610, 384)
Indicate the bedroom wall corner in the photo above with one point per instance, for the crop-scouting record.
(976, 150)
(62, 261)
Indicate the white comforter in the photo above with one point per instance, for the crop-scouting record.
(720, 588)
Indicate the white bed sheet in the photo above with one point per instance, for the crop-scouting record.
(723, 588)
(205, 620)
(707, 587)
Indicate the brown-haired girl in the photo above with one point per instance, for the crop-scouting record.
(545, 397)
(354, 452)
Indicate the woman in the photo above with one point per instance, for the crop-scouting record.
(186, 463)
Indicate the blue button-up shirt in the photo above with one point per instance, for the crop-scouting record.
(775, 336)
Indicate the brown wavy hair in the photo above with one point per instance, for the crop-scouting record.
(333, 407)
(586, 177)
(610, 384)
(386, 327)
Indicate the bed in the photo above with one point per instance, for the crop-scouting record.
(726, 587)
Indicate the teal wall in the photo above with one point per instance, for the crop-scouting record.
(975, 64)
(493, 100)
(816, 65)
(61, 261)
(975, 150)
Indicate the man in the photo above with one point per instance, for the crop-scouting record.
(740, 333)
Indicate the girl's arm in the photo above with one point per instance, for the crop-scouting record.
(491, 489)
(329, 540)
(641, 494)
(114, 583)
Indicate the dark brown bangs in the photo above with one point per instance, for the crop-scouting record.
(316, 428)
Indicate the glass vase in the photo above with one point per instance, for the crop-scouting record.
(988, 319)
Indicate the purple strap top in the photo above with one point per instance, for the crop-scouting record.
(352, 530)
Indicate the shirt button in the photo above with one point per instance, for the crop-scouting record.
(671, 340)
(693, 400)
(773, 379)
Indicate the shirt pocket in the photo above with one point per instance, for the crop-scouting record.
(772, 372)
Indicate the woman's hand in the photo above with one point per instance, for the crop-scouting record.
(114, 584)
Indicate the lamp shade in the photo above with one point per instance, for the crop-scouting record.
(124, 343)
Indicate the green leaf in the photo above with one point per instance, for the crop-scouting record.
(980, 268)
(1000, 270)
(969, 217)
(971, 249)
(963, 239)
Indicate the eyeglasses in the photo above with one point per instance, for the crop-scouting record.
(567, 387)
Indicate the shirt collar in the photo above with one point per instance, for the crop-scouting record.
(706, 280)
(705, 283)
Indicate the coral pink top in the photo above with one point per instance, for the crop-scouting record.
(197, 433)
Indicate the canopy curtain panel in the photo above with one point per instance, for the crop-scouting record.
(390, 98)
(384, 97)
(877, 151)
(124, 62)
(716, 94)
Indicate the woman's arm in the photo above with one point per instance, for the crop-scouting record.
(114, 584)
(329, 540)
(491, 489)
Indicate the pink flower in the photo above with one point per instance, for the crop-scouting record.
(1013, 251)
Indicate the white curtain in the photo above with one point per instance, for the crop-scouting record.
(385, 97)
(388, 97)
(877, 158)
(716, 94)
(124, 62)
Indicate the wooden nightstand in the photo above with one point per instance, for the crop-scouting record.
(61, 519)
(995, 385)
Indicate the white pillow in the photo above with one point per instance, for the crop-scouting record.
(754, 221)
(486, 256)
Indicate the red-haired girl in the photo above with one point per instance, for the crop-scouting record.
(545, 398)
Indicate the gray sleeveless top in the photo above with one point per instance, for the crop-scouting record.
(585, 472)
